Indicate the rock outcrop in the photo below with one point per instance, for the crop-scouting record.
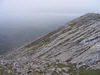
(77, 44)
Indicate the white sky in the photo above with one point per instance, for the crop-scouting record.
(20, 8)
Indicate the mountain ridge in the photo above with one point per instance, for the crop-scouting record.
(77, 42)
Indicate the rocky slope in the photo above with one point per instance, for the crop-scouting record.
(63, 51)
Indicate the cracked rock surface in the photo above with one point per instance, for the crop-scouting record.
(77, 42)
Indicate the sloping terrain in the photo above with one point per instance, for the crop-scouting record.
(63, 51)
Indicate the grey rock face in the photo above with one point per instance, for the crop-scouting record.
(77, 42)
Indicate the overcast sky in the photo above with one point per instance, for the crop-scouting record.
(28, 8)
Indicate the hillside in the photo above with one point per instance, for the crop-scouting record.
(71, 49)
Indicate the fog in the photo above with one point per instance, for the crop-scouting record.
(14, 33)
(24, 20)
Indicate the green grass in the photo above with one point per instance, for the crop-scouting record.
(72, 71)
(73, 24)
(82, 71)
(61, 65)
(35, 73)
(73, 31)
(3, 71)
(85, 72)
(55, 73)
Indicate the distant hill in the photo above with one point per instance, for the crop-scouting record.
(73, 49)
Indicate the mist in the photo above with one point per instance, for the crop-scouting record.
(24, 20)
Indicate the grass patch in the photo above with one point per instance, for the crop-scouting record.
(56, 65)
(73, 24)
(82, 71)
(4, 72)
(55, 73)
(36, 73)
(61, 65)
(73, 31)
